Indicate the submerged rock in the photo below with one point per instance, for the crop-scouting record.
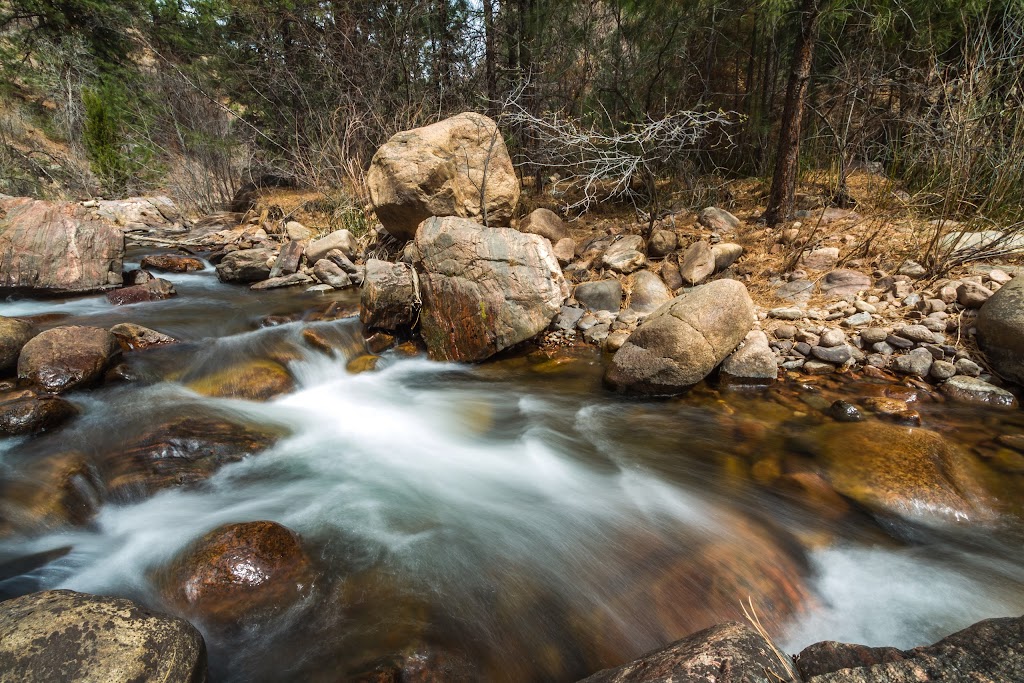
(255, 380)
(236, 571)
(443, 170)
(66, 636)
(57, 491)
(684, 340)
(66, 358)
(484, 289)
(32, 414)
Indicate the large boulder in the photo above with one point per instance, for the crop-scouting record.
(443, 169)
(66, 636)
(647, 293)
(238, 570)
(1001, 330)
(342, 240)
(684, 340)
(729, 652)
(57, 248)
(390, 296)
(64, 358)
(246, 265)
(14, 334)
(484, 289)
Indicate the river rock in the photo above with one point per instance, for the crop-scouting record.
(989, 650)
(65, 358)
(288, 259)
(684, 340)
(752, 363)
(156, 289)
(293, 280)
(59, 490)
(670, 274)
(916, 362)
(837, 355)
(177, 451)
(484, 289)
(132, 337)
(697, 264)
(342, 240)
(1001, 330)
(32, 414)
(14, 334)
(974, 390)
(237, 571)
(390, 295)
(61, 635)
(972, 295)
(297, 232)
(902, 472)
(172, 263)
(725, 254)
(702, 657)
(625, 255)
(662, 243)
(253, 379)
(647, 293)
(443, 170)
(600, 295)
(565, 251)
(718, 220)
(330, 273)
(546, 223)
(797, 291)
(57, 248)
(246, 265)
(844, 282)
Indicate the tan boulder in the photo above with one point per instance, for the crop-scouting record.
(443, 169)
(546, 223)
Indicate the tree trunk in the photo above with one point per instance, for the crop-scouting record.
(490, 70)
(780, 200)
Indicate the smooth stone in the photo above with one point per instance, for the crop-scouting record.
(836, 355)
(697, 263)
(844, 282)
(330, 273)
(1000, 325)
(34, 414)
(917, 362)
(568, 317)
(814, 367)
(942, 370)
(14, 334)
(858, 319)
(662, 243)
(787, 314)
(647, 292)
(842, 411)
(172, 263)
(820, 259)
(972, 295)
(66, 358)
(752, 363)
(718, 220)
(726, 254)
(625, 255)
(832, 337)
(547, 224)
(132, 337)
(797, 291)
(600, 295)
(974, 390)
(916, 333)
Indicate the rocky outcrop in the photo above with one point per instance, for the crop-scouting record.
(443, 170)
(65, 358)
(684, 340)
(1001, 330)
(237, 570)
(57, 248)
(390, 295)
(483, 289)
(66, 636)
(246, 265)
(726, 653)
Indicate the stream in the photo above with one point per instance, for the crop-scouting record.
(511, 519)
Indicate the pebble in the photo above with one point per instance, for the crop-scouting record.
(813, 367)
(786, 313)
(883, 348)
(899, 342)
(873, 335)
(864, 307)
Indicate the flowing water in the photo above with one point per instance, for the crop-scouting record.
(512, 519)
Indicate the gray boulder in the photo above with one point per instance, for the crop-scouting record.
(483, 289)
(390, 295)
(1001, 330)
(246, 265)
(61, 635)
(752, 363)
(600, 295)
(684, 340)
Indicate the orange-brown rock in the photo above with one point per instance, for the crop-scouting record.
(65, 358)
(32, 414)
(236, 571)
(255, 380)
(55, 491)
(172, 263)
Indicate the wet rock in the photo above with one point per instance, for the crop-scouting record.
(178, 451)
(752, 363)
(288, 259)
(330, 273)
(974, 390)
(61, 635)
(364, 363)
(565, 251)
(662, 243)
(811, 491)
(718, 220)
(684, 340)
(245, 265)
(57, 247)
(1001, 330)
(132, 337)
(844, 282)
(342, 240)
(986, 651)
(893, 410)
(546, 223)
(484, 289)
(625, 255)
(972, 295)
(66, 358)
(390, 296)
(726, 254)
(14, 334)
(172, 263)
(842, 411)
(254, 380)
(703, 657)
(293, 280)
(601, 295)
(57, 491)
(156, 289)
(820, 259)
(439, 170)
(238, 571)
(33, 414)
(917, 362)
(902, 472)
(137, 277)
(697, 264)
(647, 293)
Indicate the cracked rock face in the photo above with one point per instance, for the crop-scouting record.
(483, 289)
(683, 341)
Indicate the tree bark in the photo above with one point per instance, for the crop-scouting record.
(490, 70)
(780, 200)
